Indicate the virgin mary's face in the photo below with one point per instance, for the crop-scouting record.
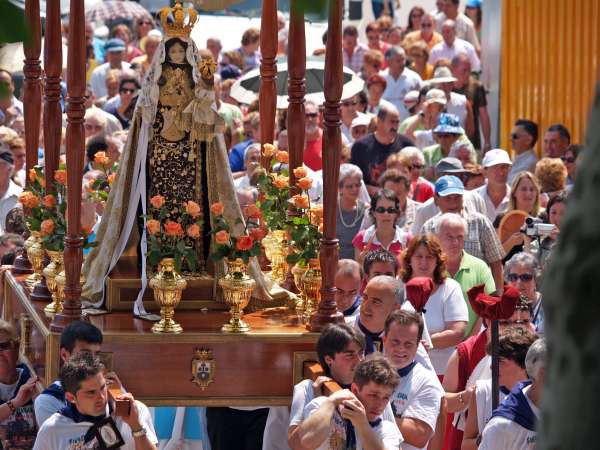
(177, 53)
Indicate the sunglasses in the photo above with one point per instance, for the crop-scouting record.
(390, 210)
(312, 115)
(128, 91)
(570, 160)
(417, 167)
(512, 277)
(7, 345)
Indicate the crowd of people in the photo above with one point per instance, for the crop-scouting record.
(422, 193)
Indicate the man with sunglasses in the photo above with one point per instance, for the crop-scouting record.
(313, 137)
(523, 137)
(348, 115)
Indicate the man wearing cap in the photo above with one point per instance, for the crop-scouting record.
(452, 46)
(9, 190)
(495, 192)
(348, 114)
(465, 29)
(471, 199)
(360, 127)
(481, 240)
(446, 133)
(115, 55)
(400, 79)
(456, 103)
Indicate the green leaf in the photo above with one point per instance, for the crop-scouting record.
(12, 23)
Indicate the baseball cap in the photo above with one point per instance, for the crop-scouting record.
(496, 156)
(448, 123)
(473, 4)
(115, 45)
(435, 96)
(442, 75)
(230, 71)
(449, 185)
(361, 120)
(449, 165)
(411, 98)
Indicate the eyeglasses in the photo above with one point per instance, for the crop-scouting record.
(6, 345)
(128, 91)
(312, 115)
(512, 277)
(570, 160)
(144, 22)
(390, 210)
(417, 167)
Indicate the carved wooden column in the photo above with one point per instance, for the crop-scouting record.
(75, 155)
(268, 73)
(32, 104)
(332, 144)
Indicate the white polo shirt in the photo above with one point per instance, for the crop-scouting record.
(491, 210)
(396, 89)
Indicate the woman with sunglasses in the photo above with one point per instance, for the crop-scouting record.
(521, 272)
(425, 34)
(421, 190)
(143, 25)
(570, 159)
(385, 211)
(446, 314)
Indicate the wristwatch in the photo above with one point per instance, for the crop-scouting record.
(139, 433)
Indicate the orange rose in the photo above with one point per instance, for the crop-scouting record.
(300, 201)
(111, 178)
(49, 201)
(193, 231)
(157, 201)
(244, 243)
(29, 200)
(86, 231)
(300, 172)
(217, 208)
(257, 234)
(60, 176)
(253, 211)
(282, 156)
(32, 175)
(193, 209)
(268, 150)
(173, 229)
(305, 183)
(101, 158)
(280, 182)
(153, 226)
(47, 227)
(222, 237)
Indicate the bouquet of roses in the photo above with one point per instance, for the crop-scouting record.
(274, 188)
(99, 188)
(33, 198)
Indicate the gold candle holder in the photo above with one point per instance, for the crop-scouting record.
(61, 281)
(312, 287)
(35, 253)
(168, 287)
(51, 271)
(237, 290)
(298, 272)
(276, 251)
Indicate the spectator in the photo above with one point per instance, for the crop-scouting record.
(150, 44)
(95, 43)
(371, 152)
(415, 19)
(555, 213)
(417, 399)
(348, 114)
(418, 54)
(399, 184)
(420, 189)
(352, 50)
(556, 140)
(473, 12)
(552, 175)
(446, 133)
(374, 41)
(426, 35)
(419, 126)
(446, 314)
(101, 143)
(115, 55)
(513, 425)
(523, 137)
(17, 148)
(399, 80)
(372, 63)
(522, 272)
(512, 349)
(9, 190)
(252, 134)
(452, 46)
(351, 209)
(360, 128)
(232, 65)
(456, 103)
(398, 164)
(123, 110)
(10, 243)
(463, 151)
(313, 137)
(475, 93)
(571, 160)
(496, 193)
(482, 240)
(214, 45)
(249, 49)
(10, 107)
(123, 32)
(384, 233)
(96, 119)
(348, 278)
(465, 269)
(465, 28)
(524, 196)
(473, 177)
(354, 418)
(376, 86)
(251, 164)
(395, 35)
(112, 89)
(143, 27)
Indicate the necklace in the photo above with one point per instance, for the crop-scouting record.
(357, 217)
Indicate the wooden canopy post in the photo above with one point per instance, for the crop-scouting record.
(32, 104)
(332, 144)
(75, 153)
(267, 102)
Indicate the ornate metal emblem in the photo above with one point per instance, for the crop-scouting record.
(203, 367)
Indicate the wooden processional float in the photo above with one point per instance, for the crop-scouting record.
(202, 365)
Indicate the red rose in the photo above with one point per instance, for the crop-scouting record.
(244, 243)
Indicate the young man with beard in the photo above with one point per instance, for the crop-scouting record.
(417, 399)
(353, 418)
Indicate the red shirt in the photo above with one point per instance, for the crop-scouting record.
(420, 190)
(312, 153)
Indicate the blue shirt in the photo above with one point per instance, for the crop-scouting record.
(236, 157)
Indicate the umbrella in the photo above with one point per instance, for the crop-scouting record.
(245, 90)
(214, 5)
(115, 9)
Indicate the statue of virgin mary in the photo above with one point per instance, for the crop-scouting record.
(175, 149)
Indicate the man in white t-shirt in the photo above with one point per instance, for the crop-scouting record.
(495, 192)
(353, 418)
(514, 423)
(452, 46)
(417, 399)
(89, 421)
(400, 80)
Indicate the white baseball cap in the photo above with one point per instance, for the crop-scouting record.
(496, 156)
(435, 96)
(361, 119)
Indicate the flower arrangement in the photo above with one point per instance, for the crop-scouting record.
(32, 199)
(170, 239)
(274, 187)
(232, 247)
(98, 189)
(306, 230)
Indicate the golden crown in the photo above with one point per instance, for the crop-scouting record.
(177, 26)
